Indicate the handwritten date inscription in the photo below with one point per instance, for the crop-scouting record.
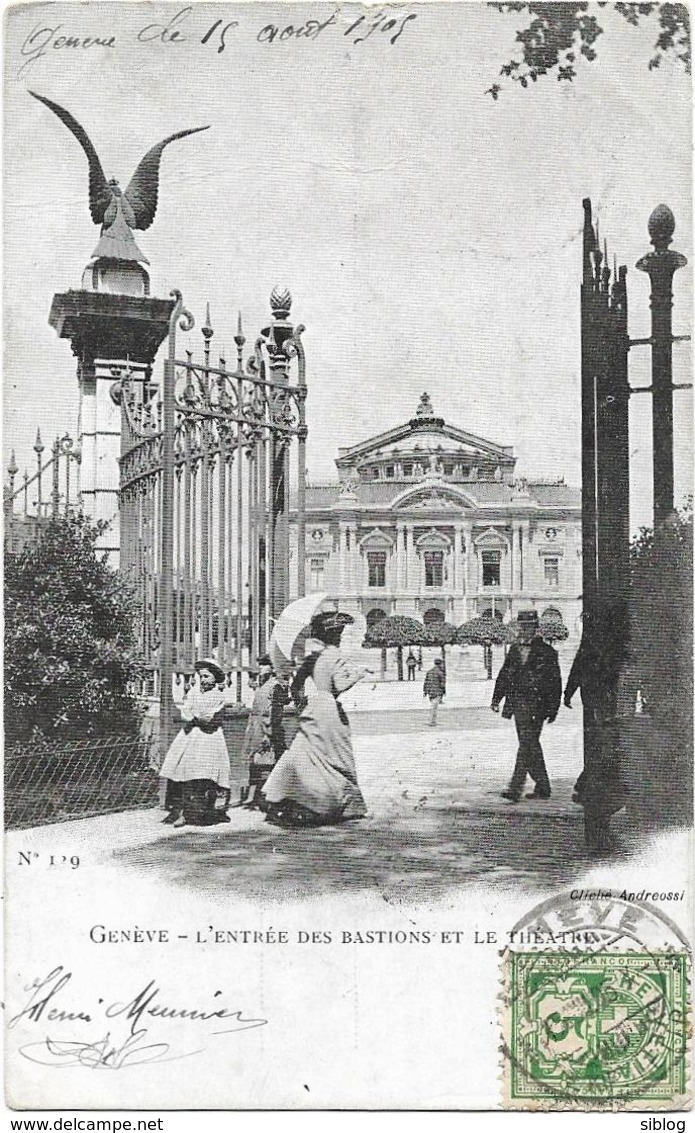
(182, 29)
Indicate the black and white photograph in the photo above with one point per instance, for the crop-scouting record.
(348, 531)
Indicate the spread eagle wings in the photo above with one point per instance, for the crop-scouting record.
(141, 194)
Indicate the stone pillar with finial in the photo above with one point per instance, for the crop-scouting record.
(111, 328)
(661, 266)
(276, 336)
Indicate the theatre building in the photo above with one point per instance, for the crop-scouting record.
(429, 521)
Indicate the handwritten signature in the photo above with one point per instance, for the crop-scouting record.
(102, 1054)
(46, 1004)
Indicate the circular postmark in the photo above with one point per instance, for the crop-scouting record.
(595, 1007)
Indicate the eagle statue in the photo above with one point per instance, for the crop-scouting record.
(116, 211)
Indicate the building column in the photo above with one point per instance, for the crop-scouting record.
(100, 442)
(400, 559)
(471, 568)
(515, 558)
(352, 581)
(342, 557)
(408, 551)
(507, 582)
(459, 560)
(524, 558)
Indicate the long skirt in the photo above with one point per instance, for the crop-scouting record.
(315, 780)
(200, 801)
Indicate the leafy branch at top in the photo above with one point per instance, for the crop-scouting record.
(559, 35)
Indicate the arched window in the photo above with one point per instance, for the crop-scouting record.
(433, 617)
(375, 616)
(552, 612)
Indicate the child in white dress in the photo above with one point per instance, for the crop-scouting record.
(197, 763)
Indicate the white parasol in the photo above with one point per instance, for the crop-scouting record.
(293, 619)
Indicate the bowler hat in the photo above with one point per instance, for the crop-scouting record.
(212, 665)
(265, 660)
(527, 618)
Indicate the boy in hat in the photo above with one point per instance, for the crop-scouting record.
(264, 741)
(530, 684)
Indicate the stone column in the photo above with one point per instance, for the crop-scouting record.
(524, 558)
(400, 559)
(100, 441)
(459, 579)
(515, 556)
(352, 581)
(471, 570)
(507, 572)
(342, 557)
(408, 567)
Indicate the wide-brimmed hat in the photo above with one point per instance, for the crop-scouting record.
(527, 618)
(212, 665)
(265, 660)
(328, 622)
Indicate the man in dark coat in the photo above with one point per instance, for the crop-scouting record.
(530, 684)
(434, 688)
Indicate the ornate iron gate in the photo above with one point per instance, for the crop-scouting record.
(205, 475)
(606, 497)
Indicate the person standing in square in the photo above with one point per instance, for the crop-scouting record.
(530, 684)
(434, 688)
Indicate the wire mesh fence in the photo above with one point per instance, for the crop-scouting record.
(77, 779)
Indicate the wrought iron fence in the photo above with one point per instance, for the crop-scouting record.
(50, 491)
(204, 496)
(47, 782)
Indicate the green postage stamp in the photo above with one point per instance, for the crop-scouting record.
(606, 1029)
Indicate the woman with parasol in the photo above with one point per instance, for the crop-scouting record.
(314, 782)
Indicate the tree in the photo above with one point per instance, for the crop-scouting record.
(486, 632)
(559, 35)
(661, 617)
(70, 655)
(395, 632)
(441, 634)
(552, 628)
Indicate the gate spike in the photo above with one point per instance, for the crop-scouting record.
(239, 340)
(588, 234)
(606, 269)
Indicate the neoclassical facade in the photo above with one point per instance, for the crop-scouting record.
(428, 520)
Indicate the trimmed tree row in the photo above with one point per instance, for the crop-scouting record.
(397, 632)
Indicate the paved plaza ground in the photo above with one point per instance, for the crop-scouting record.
(436, 819)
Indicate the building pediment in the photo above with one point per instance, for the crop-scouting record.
(377, 540)
(433, 540)
(426, 435)
(435, 495)
(491, 539)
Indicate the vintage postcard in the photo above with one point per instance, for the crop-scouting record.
(348, 556)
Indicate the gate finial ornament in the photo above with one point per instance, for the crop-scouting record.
(119, 212)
